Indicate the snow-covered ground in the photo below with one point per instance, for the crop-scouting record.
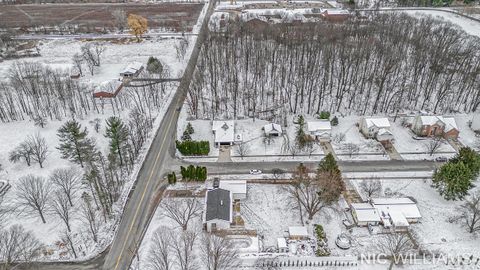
(470, 26)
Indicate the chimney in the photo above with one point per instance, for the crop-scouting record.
(221, 202)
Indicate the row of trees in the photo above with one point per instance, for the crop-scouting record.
(384, 64)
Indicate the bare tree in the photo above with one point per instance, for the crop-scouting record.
(351, 149)
(67, 239)
(40, 121)
(5, 210)
(39, 148)
(33, 194)
(433, 145)
(278, 173)
(18, 245)
(160, 256)
(78, 61)
(243, 149)
(120, 18)
(371, 187)
(218, 253)
(183, 249)
(68, 181)
(89, 216)
(23, 151)
(62, 207)
(394, 245)
(470, 213)
(181, 211)
(294, 149)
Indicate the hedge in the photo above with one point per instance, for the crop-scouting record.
(193, 148)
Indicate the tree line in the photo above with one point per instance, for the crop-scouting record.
(383, 64)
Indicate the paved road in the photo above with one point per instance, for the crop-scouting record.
(98, 36)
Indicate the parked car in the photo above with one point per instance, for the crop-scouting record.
(441, 159)
(254, 171)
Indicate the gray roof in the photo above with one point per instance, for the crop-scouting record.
(218, 204)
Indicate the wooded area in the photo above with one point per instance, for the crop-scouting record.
(389, 63)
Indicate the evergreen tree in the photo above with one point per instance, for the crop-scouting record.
(74, 143)
(470, 158)
(334, 121)
(329, 164)
(300, 136)
(453, 180)
(117, 132)
(154, 65)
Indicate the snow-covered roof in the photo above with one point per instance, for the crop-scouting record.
(321, 125)
(428, 120)
(403, 205)
(281, 243)
(268, 128)
(224, 131)
(218, 205)
(132, 68)
(450, 123)
(384, 131)
(398, 218)
(378, 122)
(234, 186)
(109, 86)
(365, 212)
(337, 12)
(298, 231)
(476, 122)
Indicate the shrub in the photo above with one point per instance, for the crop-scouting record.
(172, 178)
(334, 121)
(194, 173)
(324, 115)
(193, 148)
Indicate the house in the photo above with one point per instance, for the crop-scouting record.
(321, 130)
(272, 129)
(398, 220)
(365, 214)
(218, 214)
(238, 188)
(336, 15)
(132, 70)
(376, 128)
(405, 206)
(224, 133)
(435, 126)
(298, 233)
(282, 245)
(108, 89)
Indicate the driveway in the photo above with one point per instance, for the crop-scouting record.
(224, 154)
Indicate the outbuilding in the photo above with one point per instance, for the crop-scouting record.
(132, 70)
(272, 129)
(298, 233)
(108, 89)
(238, 188)
(282, 245)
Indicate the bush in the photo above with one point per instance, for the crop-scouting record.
(321, 238)
(324, 115)
(334, 121)
(172, 178)
(193, 148)
(194, 173)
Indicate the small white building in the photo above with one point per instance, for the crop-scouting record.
(298, 232)
(272, 129)
(132, 70)
(238, 188)
(364, 214)
(321, 130)
(218, 213)
(224, 133)
(376, 128)
(282, 245)
(398, 220)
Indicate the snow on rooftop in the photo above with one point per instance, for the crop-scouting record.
(132, 68)
(380, 201)
(281, 243)
(109, 86)
(378, 122)
(398, 218)
(322, 125)
(431, 119)
(224, 131)
(450, 123)
(403, 205)
(365, 212)
(272, 127)
(234, 186)
(337, 12)
(384, 131)
(298, 231)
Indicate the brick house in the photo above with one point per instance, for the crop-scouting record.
(435, 126)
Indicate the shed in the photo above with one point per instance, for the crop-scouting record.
(282, 245)
(132, 70)
(238, 188)
(108, 89)
(298, 232)
(272, 129)
(321, 129)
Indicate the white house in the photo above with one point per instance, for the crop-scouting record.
(376, 128)
(321, 130)
(272, 129)
(364, 214)
(238, 188)
(405, 206)
(218, 214)
(224, 132)
(298, 232)
(132, 70)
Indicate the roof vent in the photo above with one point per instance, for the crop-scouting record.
(221, 202)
